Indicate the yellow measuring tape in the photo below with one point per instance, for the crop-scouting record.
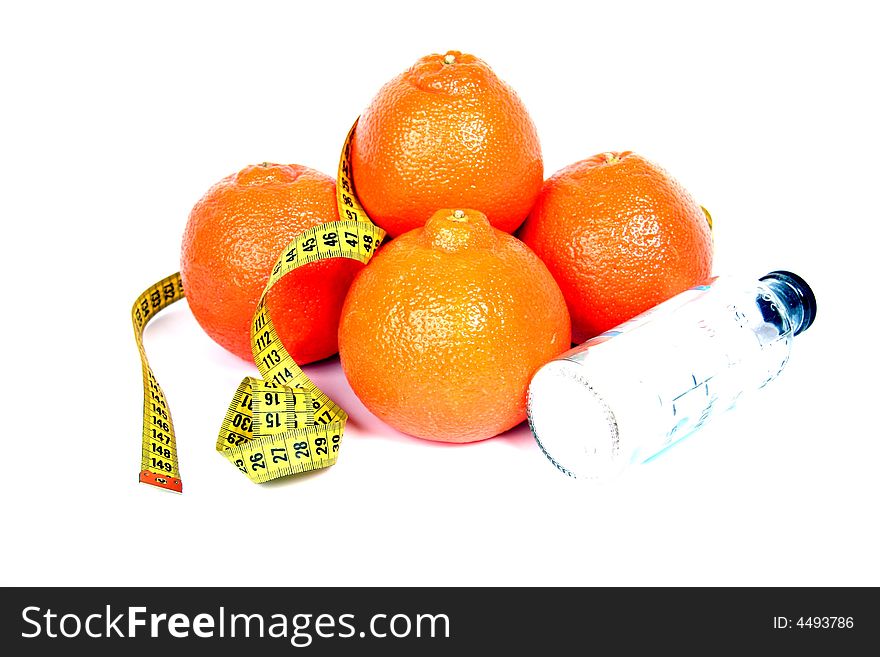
(282, 424)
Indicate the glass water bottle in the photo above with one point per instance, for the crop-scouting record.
(633, 391)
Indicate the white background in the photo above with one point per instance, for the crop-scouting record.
(116, 119)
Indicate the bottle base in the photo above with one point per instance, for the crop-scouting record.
(572, 423)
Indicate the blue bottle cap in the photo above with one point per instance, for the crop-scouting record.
(803, 293)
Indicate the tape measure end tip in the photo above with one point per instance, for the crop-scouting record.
(171, 484)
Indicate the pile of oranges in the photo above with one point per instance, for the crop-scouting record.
(441, 332)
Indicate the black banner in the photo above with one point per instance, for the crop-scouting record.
(437, 621)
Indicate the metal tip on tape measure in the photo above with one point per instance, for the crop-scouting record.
(167, 483)
(282, 424)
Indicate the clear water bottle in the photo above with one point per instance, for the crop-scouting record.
(628, 394)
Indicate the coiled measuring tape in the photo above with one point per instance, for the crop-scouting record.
(282, 424)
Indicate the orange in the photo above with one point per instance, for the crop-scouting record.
(620, 235)
(442, 331)
(233, 237)
(447, 132)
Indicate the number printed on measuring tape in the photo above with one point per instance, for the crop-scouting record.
(281, 424)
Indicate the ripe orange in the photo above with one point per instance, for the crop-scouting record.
(442, 331)
(447, 132)
(235, 233)
(619, 235)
